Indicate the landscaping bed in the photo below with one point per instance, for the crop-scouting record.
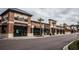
(74, 45)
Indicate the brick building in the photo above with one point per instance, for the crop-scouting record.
(15, 22)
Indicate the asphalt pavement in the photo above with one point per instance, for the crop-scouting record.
(47, 43)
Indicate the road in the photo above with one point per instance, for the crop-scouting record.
(49, 43)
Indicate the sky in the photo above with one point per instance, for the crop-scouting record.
(61, 15)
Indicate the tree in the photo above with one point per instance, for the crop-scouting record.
(65, 27)
(40, 20)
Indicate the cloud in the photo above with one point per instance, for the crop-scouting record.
(61, 15)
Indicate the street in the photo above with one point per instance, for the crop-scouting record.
(48, 43)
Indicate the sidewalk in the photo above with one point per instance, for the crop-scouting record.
(26, 37)
(33, 37)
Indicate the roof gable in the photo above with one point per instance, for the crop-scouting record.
(16, 10)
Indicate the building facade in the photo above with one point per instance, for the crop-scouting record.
(15, 22)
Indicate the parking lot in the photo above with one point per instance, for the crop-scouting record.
(47, 43)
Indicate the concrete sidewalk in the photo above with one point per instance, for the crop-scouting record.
(34, 37)
(26, 37)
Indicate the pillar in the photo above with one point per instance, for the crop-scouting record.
(55, 31)
(59, 31)
(0, 25)
(29, 28)
(43, 30)
(32, 30)
(50, 27)
(10, 25)
(50, 31)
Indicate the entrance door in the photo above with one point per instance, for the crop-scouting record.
(20, 31)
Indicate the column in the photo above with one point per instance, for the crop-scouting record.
(59, 31)
(29, 28)
(10, 25)
(0, 25)
(32, 30)
(43, 30)
(50, 27)
(50, 31)
(55, 31)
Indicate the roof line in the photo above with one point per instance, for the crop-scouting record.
(16, 10)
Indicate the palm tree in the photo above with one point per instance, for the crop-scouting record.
(64, 26)
(40, 20)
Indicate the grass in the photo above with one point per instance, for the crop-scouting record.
(74, 45)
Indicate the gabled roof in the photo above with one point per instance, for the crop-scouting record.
(17, 10)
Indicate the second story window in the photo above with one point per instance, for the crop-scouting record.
(16, 18)
(4, 18)
(26, 20)
(20, 18)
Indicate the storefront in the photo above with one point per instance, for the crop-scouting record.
(20, 31)
(17, 23)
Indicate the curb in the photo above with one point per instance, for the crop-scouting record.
(66, 47)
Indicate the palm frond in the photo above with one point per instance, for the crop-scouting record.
(40, 19)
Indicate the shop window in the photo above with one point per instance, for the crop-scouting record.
(16, 18)
(26, 20)
(20, 18)
(3, 29)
